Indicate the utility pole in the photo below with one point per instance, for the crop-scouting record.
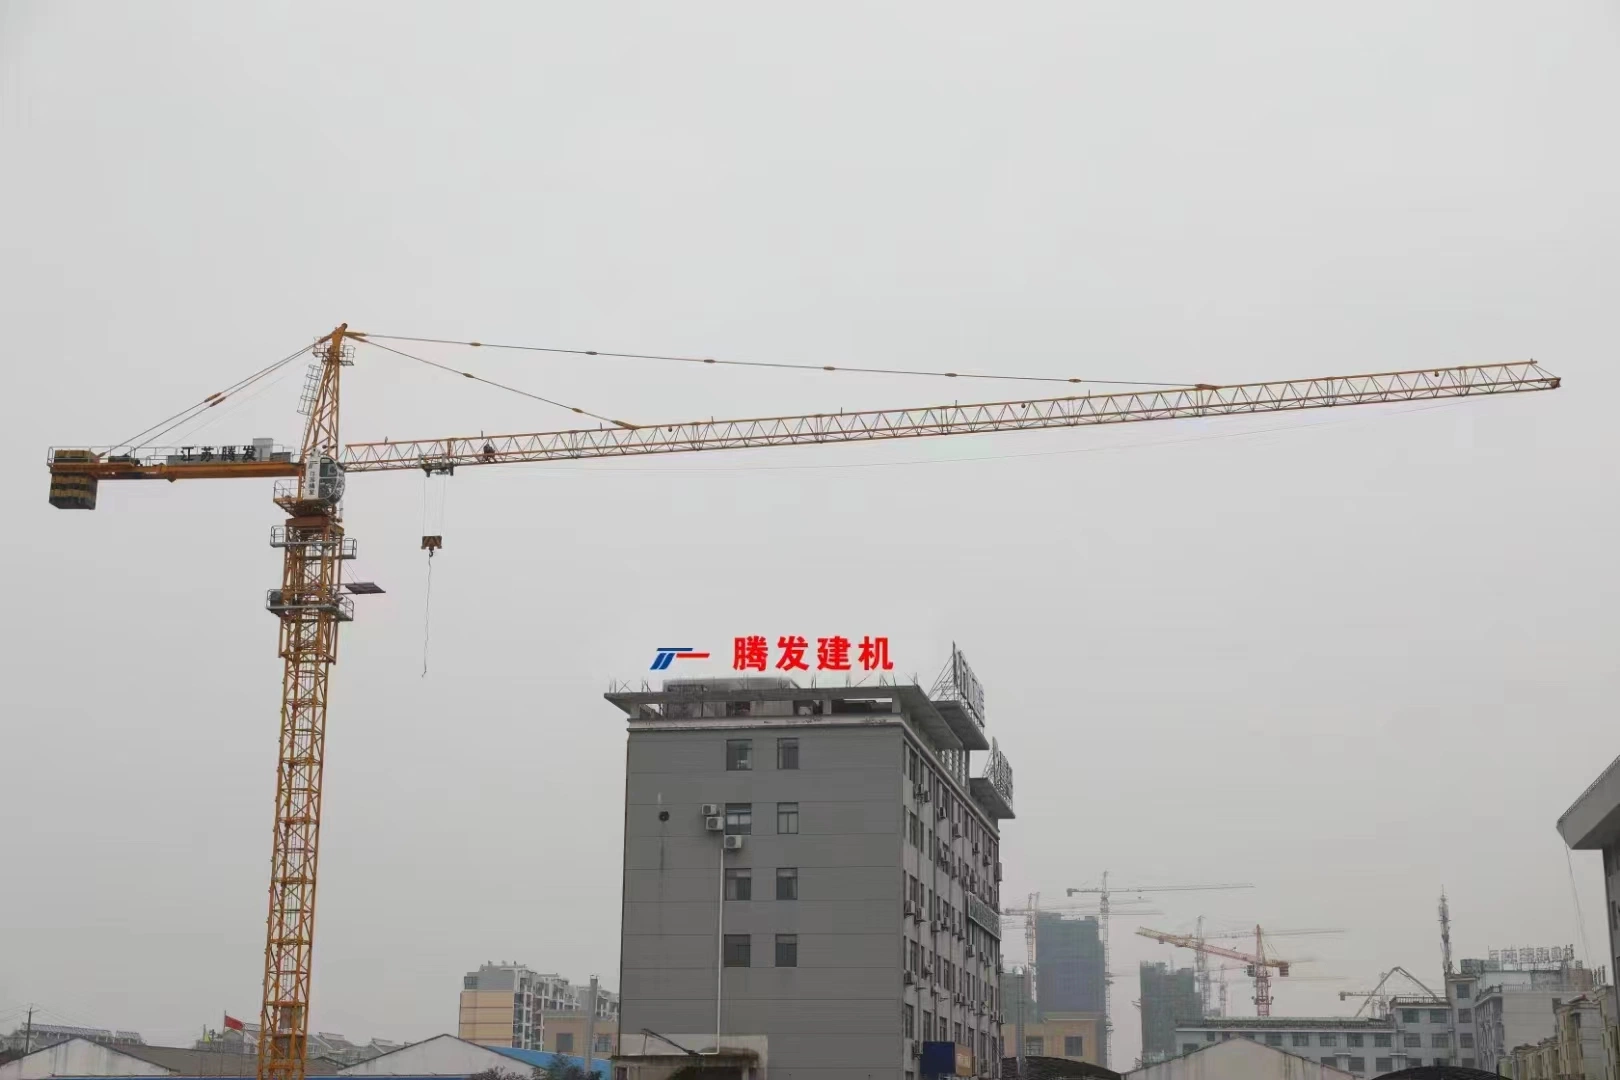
(28, 1033)
(590, 1027)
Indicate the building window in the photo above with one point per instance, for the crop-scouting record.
(1382, 1040)
(1358, 1064)
(469, 982)
(1439, 1016)
(1383, 1065)
(1074, 1046)
(739, 950)
(1465, 1016)
(1330, 1061)
(1273, 1038)
(1411, 1039)
(739, 755)
(1327, 1039)
(1034, 1046)
(1409, 1016)
(1465, 1040)
(1440, 1040)
(739, 817)
(908, 1018)
(1352, 1040)
(787, 753)
(565, 1042)
(787, 817)
(787, 950)
(1300, 1038)
(1463, 991)
(1187, 1048)
(604, 1044)
(739, 883)
(787, 883)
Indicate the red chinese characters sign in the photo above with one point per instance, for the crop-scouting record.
(796, 653)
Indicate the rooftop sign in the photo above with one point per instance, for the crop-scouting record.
(967, 686)
(999, 772)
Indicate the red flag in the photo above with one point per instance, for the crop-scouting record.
(232, 1023)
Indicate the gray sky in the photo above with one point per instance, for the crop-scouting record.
(1348, 656)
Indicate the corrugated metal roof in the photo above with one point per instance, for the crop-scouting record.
(543, 1058)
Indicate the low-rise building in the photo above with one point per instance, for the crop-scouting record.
(1515, 1004)
(445, 1056)
(1575, 1052)
(506, 1005)
(1241, 1059)
(566, 1032)
(1073, 1036)
(1360, 1046)
(80, 1057)
(31, 1037)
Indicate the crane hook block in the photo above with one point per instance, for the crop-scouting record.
(431, 544)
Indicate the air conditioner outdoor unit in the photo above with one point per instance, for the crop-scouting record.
(928, 973)
(970, 951)
(710, 809)
(920, 791)
(911, 910)
(956, 830)
(734, 843)
(909, 979)
(714, 823)
(975, 847)
(916, 1048)
(940, 813)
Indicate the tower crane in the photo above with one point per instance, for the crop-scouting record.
(314, 600)
(1030, 914)
(1380, 998)
(1259, 965)
(1105, 896)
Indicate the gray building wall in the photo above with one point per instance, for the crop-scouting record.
(838, 1011)
(881, 823)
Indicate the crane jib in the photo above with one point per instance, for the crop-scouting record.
(75, 472)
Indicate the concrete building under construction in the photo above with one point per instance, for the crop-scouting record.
(1069, 976)
(1169, 1000)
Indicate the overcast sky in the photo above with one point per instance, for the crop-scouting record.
(1350, 657)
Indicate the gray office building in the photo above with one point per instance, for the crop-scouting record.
(811, 880)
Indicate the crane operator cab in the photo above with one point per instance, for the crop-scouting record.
(322, 481)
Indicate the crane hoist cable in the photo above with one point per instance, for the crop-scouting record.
(431, 543)
(780, 365)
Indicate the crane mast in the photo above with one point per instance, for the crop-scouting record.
(311, 604)
(310, 607)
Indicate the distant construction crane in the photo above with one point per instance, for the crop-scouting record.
(1105, 902)
(1031, 914)
(1258, 964)
(313, 599)
(1380, 996)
